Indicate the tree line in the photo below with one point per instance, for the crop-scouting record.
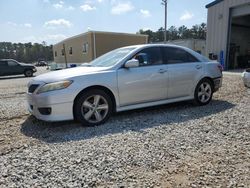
(173, 33)
(26, 52)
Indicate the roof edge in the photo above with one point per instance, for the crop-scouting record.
(102, 32)
(213, 3)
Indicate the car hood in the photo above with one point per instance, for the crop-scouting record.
(68, 73)
(27, 65)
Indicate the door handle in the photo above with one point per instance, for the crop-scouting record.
(162, 71)
(198, 66)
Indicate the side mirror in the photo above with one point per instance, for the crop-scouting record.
(132, 63)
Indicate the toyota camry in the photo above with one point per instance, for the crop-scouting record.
(124, 79)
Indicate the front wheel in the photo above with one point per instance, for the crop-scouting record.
(93, 108)
(28, 73)
(203, 92)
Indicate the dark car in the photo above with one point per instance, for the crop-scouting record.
(12, 67)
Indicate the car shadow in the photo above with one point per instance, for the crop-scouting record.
(135, 120)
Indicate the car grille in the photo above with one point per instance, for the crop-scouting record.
(32, 88)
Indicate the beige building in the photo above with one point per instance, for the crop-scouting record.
(88, 46)
(197, 45)
(228, 32)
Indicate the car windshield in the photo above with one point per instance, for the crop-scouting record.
(110, 58)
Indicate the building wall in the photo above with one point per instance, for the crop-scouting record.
(98, 44)
(106, 42)
(77, 56)
(218, 25)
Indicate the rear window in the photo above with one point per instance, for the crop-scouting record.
(12, 63)
(3, 63)
(177, 55)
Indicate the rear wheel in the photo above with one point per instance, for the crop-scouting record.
(28, 73)
(93, 108)
(203, 92)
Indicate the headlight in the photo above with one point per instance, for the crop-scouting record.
(54, 86)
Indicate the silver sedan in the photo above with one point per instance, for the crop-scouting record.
(124, 79)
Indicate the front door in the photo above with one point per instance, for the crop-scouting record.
(146, 83)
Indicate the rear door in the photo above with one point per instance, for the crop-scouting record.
(184, 71)
(3, 67)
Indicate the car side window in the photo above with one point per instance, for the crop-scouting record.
(173, 55)
(3, 63)
(149, 56)
(12, 63)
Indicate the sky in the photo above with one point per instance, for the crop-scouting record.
(54, 20)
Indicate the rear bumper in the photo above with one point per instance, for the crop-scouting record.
(246, 79)
(217, 83)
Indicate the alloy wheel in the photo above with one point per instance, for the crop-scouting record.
(204, 92)
(95, 108)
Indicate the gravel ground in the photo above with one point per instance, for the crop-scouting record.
(177, 145)
(12, 95)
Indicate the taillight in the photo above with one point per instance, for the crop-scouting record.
(220, 68)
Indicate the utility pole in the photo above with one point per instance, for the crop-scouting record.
(165, 3)
(65, 57)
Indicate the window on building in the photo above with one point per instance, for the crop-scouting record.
(85, 47)
(70, 50)
(55, 53)
(63, 52)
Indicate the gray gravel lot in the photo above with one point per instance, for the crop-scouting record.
(177, 145)
(12, 95)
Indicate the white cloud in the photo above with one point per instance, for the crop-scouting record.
(122, 8)
(13, 24)
(28, 25)
(57, 23)
(87, 7)
(58, 5)
(71, 8)
(186, 16)
(145, 13)
(100, 1)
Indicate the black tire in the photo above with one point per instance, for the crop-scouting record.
(28, 73)
(201, 96)
(81, 111)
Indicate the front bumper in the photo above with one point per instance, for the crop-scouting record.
(59, 111)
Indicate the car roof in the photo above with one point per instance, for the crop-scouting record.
(143, 46)
(154, 45)
(7, 59)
